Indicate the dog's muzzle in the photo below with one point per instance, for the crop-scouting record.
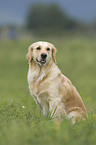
(43, 59)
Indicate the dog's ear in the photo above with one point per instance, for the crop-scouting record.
(54, 54)
(29, 55)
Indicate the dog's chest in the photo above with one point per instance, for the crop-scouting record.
(41, 83)
(36, 83)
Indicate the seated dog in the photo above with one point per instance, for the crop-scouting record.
(52, 91)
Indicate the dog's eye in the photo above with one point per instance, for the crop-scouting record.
(48, 49)
(38, 48)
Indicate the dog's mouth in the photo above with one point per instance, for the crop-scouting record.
(41, 62)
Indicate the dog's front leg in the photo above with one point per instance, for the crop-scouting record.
(40, 108)
(44, 103)
(38, 104)
(57, 110)
(52, 108)
(45, 110)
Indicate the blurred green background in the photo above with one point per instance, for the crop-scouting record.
(20, 122)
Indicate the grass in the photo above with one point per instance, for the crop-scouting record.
(76, 57)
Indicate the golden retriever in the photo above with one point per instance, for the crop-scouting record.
(52, 91)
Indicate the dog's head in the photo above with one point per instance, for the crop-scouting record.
(42, 53)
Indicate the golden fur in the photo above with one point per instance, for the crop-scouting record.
(52, 91)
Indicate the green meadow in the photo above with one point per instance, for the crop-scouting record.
(20, 122)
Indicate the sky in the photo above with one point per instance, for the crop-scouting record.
(14, 11)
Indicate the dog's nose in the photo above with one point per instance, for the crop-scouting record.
(43, 55)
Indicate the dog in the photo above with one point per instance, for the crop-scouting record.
(52, 91)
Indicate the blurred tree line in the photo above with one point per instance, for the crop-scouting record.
(42, 16)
